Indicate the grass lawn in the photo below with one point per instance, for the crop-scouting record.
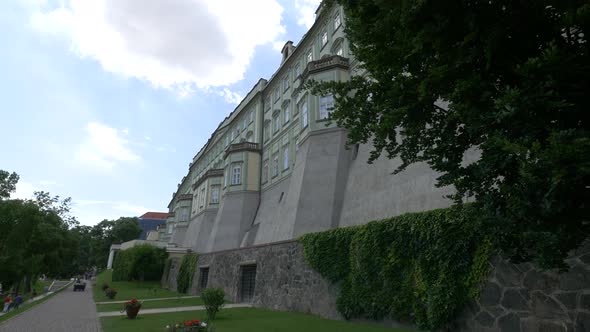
(127, 290)
(153, 304)
(241, 320)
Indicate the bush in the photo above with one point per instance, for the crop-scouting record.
(419, 267)
(213, 299)
(184, 280)
(104, 287)
(143, 262)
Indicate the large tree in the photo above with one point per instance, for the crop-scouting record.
(506, 79)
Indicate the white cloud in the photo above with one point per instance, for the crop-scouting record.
(278, 45)
(230, 97)
(180, 44)
(47, 182)
(306, 11)
(104, 147)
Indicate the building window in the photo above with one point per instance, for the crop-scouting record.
(170, 228)
(225, 178)
(326, 106)
(226, 141)
(202, 197)
(277, 123)
(214, 195)
(266, 103)
(245, 123)
(287, 114)
(296, 144)
(231, 138)
(339, 51)
(184, 215)
(265, 171)
(337, 22)
(277, 95)
(324, 38)
(275, 164)
(236, 175)
(286, 157)
(309, 57)
(297, 71)
(286, 83)
(304, 114)
(251, 115)
(266, 131)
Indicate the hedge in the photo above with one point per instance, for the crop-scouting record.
(184, 280)
(417, 267)
(143, 262)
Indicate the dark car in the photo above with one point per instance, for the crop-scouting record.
(79, 285)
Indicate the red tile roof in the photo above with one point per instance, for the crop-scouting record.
(154, 215)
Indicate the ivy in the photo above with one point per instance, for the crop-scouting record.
(184, 280)
(417, 267)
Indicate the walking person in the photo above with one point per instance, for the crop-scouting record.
(7, 303)
(17, 301)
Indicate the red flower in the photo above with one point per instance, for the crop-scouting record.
(188, 323)
(196, 322)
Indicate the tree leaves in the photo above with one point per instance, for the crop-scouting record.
(513, 78)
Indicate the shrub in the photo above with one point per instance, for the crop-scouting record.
(419, 267)
(184, 280)
(213, 299)
(110, 293)
(143, 262)
(104, 287)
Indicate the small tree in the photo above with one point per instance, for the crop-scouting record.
(213, 299)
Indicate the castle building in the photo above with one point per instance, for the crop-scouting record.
(276, 168)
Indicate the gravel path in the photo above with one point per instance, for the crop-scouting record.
(65, 311)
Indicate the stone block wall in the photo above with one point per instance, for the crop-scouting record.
(515, 298)
(521, 297)
(284, 281)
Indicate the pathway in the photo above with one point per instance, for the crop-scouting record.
(65, 311)
(175, 309)
(156, 299)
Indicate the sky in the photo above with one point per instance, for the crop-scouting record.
(107, 101)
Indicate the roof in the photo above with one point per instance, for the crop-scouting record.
(154, 215)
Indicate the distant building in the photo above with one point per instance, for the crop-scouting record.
(150, 221)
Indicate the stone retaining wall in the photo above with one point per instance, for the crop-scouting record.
(516, 297)
(520, 297)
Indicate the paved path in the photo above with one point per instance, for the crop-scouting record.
(65, 311)
(175, 309)
(156, 299)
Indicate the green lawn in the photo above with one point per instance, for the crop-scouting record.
(127, 290)
(153, 304)
(241, 320)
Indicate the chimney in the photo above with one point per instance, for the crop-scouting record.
(287, 50)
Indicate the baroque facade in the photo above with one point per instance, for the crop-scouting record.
(275, 168)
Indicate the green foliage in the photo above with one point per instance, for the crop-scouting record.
(418, 267)
(445, 78)
(184, 280)
(106, 233)
(213, 299)
(329, 253)
(143, 262)
(7, 183)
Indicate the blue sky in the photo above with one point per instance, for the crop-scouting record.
(107, 101)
